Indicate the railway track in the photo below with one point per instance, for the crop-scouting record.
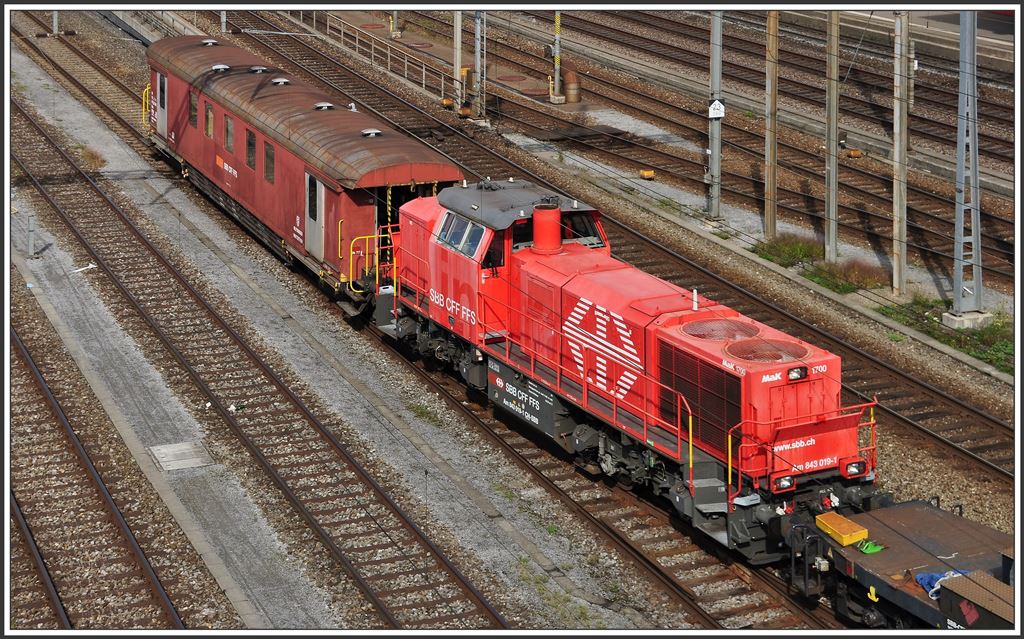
(931, 65)
(903, 398)
(996, 108)
(750, 73)
(34, 602)
(117, 104)
(865, 207)
(86, 558)
(407, 580)
(929, 235)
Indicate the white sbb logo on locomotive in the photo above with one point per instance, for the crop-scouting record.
(621, 350)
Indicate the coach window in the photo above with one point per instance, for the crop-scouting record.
(229, 134)
(250, 149)
(268, 162)
(209, 120)
(193, 109)
(311, 203)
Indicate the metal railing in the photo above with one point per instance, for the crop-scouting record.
(381, 53)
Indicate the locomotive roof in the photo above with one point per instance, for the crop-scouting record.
(332, 141)
(497, 205)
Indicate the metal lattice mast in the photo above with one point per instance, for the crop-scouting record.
(967, 291)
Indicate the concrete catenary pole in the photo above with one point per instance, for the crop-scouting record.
(457, 59)
(901, 105)
(771, 149)
(967, 291)
(55, 12)
(715, 123)
(224, 21)
(478, 24)
(558, 53)
(832, 140)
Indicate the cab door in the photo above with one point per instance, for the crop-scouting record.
(314, 235)
(161, 104)
(494, 288)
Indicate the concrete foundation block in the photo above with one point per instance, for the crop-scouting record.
(970, 319)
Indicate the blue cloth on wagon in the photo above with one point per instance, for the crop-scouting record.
(930, 580)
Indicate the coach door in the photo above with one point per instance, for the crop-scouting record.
(314, 217)
(161, 104)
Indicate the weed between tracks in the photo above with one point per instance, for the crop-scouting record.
(847, 276)
(565, 613)
(992, 344)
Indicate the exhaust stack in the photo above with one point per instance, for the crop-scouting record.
(547, 229)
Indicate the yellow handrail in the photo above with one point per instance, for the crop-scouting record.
(145, 105)
(366, 253)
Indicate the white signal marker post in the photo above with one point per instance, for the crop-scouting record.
(716, 111)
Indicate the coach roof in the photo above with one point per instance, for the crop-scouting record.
(350, 147)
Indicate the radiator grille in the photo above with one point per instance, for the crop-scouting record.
(713, 394)
(719, 329)
(766, 350)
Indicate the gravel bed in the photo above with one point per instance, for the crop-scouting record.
(198, 598)
(523, 588)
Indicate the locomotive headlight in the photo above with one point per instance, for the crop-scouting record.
(794, 374)
(855, 468)
(784, 483)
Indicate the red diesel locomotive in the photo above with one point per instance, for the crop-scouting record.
(739, 425)
(734, 421)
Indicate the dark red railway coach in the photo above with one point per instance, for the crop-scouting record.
(312, 179)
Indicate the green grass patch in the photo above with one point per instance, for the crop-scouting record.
(505, 491)
(552, 529)
(424, 413)
(847, 276)
(790, 249)
(992, 344)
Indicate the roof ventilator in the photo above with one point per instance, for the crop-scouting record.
(370, 133)
(277, 82)
(220, 68)
(210, 42)
(258, 69)
(352, 106)
(323, 106)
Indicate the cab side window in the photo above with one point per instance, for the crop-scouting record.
(460, 234)
(495, 255)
